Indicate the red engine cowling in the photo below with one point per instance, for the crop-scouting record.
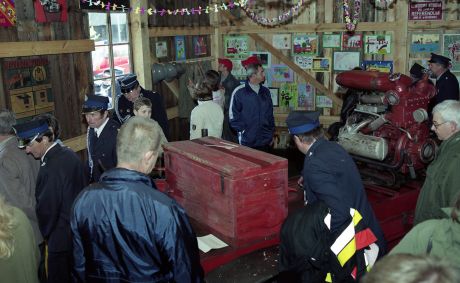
(389, 126)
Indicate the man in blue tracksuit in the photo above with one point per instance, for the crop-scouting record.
(251, 109)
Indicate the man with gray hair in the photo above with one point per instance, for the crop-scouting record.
(18, 171)
(442, 178)
(124, 229)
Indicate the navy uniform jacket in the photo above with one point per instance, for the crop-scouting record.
(60, 178)
(125, 230)
(103, 149)
(446, 88)
(251, 115)
(125, 109)
(331, 175)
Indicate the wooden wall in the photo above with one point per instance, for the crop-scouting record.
(70, 68)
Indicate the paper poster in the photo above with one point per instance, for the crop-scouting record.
(332, 40)
(377, 44)
(282, 41)
(380, 66)
(425, 10)
(304, 62)
(288, 95)
(323, 101)
(200, 45)
(352, 41)
(179, 42)
(451, 49)
(274, 92)
(306, 96)
(321, 65)
(161, 49)
(305, 44)
(238, 70)
(7, 13)
(425, 43)
(265, 58)
(236, 46)
(344, 61)
(282, 73)
(50, 11)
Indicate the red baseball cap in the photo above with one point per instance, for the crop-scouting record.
(227, 63)
(251, 60)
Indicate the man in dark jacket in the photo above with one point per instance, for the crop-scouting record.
(60, 178)
(330, 175)
(229, 82)
(131, 90)
(101, 136)
(251, 109)
(446, 83)
(124, 229)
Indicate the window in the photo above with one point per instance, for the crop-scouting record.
(112, 55)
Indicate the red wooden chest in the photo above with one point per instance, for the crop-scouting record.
(239, 193)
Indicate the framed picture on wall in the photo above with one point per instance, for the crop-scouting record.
(344, 61)
(282, 73)
(451, 49)
(305, 44)
(179, 43)
(425, 43)
(380, 66)
(332, 40)
(377, 44)
(352, 41)
(274, 92)
(321, 64)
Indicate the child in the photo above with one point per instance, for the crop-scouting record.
(143, 107)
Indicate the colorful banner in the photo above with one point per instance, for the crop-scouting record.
(7, 13)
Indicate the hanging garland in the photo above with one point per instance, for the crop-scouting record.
(281, 19)
(350, 23)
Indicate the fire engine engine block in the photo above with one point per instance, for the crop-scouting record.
(389, 126)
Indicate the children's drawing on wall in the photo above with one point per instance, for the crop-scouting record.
(331, 40)
(321, 65)
(344, 61)
(306, 96)
(379, 66)
(7, 13)
(179, 42)
(282, 41)
(288, 95)
(282, 73)
(352, 41)
(236, 46)
(304, 62)
(377, 44)
(265, 58)
(422, 44)
(305, 44)
(199, 45)
(451, 49)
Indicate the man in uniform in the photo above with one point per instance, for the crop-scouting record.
(229, 82)
(101, 136)
(131, 90)
(446, 83)
(60, 178)
(330, 175)
(251, 109)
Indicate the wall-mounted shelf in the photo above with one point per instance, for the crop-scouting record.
(33, 48)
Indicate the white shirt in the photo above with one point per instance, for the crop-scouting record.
(99, 130)
(218, 97)
(206, 115)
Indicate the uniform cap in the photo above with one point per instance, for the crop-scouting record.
(417, 71)
(29, 131)
(128, 83)
(302, 122)
(435, 58)
(95, 103)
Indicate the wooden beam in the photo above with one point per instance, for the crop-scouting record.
(32, 48)
(278, 54)
(430, 25)
(173, 31)
(307, 28)
(400, 38)
(172, 112)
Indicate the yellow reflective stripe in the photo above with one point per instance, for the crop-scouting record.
(328, 278)
(357, 217)
(347, 252)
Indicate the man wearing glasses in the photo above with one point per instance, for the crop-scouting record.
(132, 90)
(60, 178)
(442, 181)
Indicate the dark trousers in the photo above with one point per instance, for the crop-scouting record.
(59, 267)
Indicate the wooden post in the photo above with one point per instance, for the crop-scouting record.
(141, 44)
(400, 38)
